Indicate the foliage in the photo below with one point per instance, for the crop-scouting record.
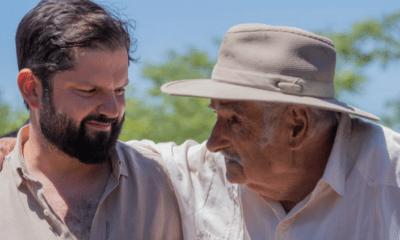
(392, 115)
(368, 41)
(10, 120)
(173, 119)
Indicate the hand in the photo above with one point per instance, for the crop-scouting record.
(6, 146)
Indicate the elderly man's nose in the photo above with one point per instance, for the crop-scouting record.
(219, 138)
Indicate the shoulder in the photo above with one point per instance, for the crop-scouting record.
(208, 202)
(367, 136)
(145, 170)
(148, 182)
(140, 159)
(377, 150)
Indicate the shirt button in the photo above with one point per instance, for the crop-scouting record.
(46, 212)
(285, 226)
(120, 163)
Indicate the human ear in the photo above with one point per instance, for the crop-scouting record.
(298, 118)
(29, 85)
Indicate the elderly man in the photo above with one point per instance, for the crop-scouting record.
(290, 162)
(68, 177)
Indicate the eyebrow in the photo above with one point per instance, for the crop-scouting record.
(230, 106)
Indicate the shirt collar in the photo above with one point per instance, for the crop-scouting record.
(20, 171)
(119, 162)
(335, 171)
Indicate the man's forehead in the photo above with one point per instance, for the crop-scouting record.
(230, 105)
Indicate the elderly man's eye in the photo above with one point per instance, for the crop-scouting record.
(233, 120)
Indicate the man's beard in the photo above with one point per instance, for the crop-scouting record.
(77, 142)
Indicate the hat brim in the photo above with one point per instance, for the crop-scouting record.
(207, 88)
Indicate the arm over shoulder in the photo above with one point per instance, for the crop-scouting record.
(6, 146)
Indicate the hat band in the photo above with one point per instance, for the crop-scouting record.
(274, 82)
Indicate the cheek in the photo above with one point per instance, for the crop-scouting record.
(84, 104)
(74, 106)
(255, 161)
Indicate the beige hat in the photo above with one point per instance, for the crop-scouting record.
(273, 64)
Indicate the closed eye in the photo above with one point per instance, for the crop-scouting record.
(120, 91)
(87, 90)
(233, 120)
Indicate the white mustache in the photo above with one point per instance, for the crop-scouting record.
(231, 156)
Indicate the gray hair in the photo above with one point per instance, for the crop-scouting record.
(320, 119)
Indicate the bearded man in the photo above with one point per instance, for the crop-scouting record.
(68, 177)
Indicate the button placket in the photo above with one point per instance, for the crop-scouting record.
(283, 230)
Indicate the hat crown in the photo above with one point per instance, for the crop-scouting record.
(260, 52)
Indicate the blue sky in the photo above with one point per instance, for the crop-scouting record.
(176, 24)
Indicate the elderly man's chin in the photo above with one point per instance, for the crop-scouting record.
(234, 172)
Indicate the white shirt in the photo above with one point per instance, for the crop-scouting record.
(358, 196)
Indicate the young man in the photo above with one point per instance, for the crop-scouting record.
(68, 177)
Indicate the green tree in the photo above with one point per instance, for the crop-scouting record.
(172, 119)
(368, 41)
(10, 120)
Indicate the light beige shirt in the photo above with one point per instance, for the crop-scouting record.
(358, 196)
(138, 202)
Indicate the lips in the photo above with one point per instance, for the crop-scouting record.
(99, 125)
(234, 171)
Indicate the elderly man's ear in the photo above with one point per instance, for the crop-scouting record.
(6, 146)
(297, 118)
(30, 87)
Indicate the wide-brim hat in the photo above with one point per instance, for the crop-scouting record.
(258, 62)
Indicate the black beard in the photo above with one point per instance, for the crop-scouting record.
(76, 142)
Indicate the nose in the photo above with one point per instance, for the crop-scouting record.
(219, 138)
(108, 106)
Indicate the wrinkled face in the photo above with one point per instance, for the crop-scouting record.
(84, 113)
(237, 135)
